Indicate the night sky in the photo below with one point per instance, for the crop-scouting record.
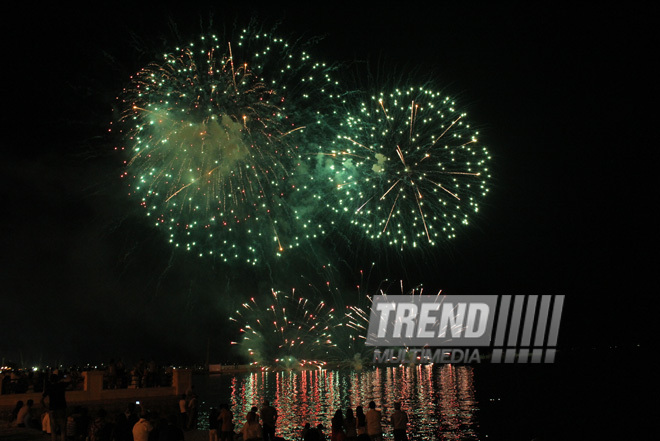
(564, 99)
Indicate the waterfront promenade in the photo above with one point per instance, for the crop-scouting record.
(93, 391)
(93, 396)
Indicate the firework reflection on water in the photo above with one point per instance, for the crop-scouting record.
(440, 400)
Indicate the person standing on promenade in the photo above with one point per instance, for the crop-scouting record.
(111, 372)
(183, 411)
(268, 418)
(337, 427)
(305, 430)
(360, 423)
(374, 428)
(319, 429)
(399, 421)
(214, 420)
(56, 393)
(142, 428)
(226, 426)
(192, 411)
(350, 425)
(251, 430)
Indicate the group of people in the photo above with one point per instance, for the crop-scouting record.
(77, 424)
(260, 425)
(20, 381)
(361, 426)
(188, 409)
(117, 375)
(221, 424)
(23, 415)
(143, 374)
(54, 418)
(150, 427)
(136, 425)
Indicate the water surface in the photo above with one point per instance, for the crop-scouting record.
(440, 400)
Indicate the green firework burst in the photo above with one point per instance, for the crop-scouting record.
(213, 132)
(408, 170)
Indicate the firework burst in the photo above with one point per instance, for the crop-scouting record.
(212, 132)
(407, 170)
(287, 329)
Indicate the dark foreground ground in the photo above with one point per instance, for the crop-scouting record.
(8, 433)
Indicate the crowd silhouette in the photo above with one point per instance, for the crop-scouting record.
(137, 423)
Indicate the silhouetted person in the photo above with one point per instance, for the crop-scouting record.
(192, 411)
(399, 421)
(151, 371)
(142, 428)
(361, 422)
(111, 372)
(374, 428)
(350, 425)
(268, 418)
(337, 427)
(226, 426)
(24, 418)
(251, 430)
(183, 412)
(312, 433)
(55, 392)
(319, 429)
(6, 385)
(303, 432)
(17, 409)
(214, 416)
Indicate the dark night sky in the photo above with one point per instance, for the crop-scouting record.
(560, 92)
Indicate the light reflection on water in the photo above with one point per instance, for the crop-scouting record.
(440, 400)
